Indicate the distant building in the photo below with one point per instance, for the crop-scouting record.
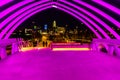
(54, 24)
(61, 29)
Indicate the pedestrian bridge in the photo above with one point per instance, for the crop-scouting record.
(108, 46)
(97, 61)
(66, 61)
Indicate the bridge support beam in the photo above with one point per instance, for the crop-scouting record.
(3, 53)
(14, 48)
(112, 46)
(111, 49)
(117, 50)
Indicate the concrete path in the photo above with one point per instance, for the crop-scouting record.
(60, 65)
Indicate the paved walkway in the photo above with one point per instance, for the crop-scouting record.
(60, 65)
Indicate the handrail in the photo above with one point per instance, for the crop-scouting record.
(14, 42)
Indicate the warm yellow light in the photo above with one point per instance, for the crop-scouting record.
(30, 48)
(71, 49)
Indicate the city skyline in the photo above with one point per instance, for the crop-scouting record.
(50, 15)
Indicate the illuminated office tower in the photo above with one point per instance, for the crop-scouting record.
(54, 27)
(54, 23)
(35, 27)
(25, 30)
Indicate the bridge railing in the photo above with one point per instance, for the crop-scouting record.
(14, 43)
(109, 46)
(65, 45)
(70, 46)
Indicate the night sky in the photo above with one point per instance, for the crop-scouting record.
(48, 16)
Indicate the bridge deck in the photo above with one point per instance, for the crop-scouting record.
(60, 65)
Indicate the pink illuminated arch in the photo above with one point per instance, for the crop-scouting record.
(34, 12)
(109, 6)
(67, 10)
(7, 28)
(14, 7)
(4, 2)
(92, 16)
(108, 17)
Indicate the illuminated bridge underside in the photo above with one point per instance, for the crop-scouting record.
(93, 17)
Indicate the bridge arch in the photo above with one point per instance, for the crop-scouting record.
(9, 29)
(34, 12)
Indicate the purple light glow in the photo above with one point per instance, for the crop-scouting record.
(60, 65)
(14, 7)
(107, 5)
(109, 18)
(94, 17)
(13, 28)
(62, 61)
(3, 2)
(10, 18)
